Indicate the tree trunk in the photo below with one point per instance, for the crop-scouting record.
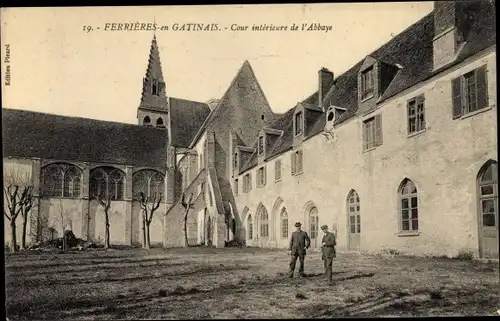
(144, 239)
(148, 238)
(23, 239)
(13, 242)
(185, 231)
(106, 235)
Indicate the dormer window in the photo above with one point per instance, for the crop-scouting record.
(299, 122)
(367, 83)
(154, 87)
(261, 145)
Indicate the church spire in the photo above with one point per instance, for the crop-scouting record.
(154, 94)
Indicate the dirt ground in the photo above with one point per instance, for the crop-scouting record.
(204, 283)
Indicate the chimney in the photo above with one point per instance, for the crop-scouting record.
(449, 31)
(325, 82)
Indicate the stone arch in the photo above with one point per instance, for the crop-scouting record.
(61, 179)
(107, 179)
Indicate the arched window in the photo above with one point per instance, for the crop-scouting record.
(284, 223)
(154, 87)
(250, 227)
(146, 121)
(264, 222)
(353, 212)
(488, 210)
(408, 206)
(61, 180)
(159, 123)
(107, 181)
(149, 182)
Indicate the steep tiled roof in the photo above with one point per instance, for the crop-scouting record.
(34, 134)
(412, 49)
(186, 117)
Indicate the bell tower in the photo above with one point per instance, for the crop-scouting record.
(154, 109)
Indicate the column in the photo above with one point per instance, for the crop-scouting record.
(86, 219)
(34, 229)
(128, 204)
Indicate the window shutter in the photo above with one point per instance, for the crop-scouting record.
(293, 163)
(363, 132)
(250, 181)
(378, 130)
(482, 87)
(265, 176)
(299, 155)
(456, 92)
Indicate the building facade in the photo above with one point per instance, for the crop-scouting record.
(399, 152)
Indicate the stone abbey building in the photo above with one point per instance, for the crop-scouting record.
(398, 152)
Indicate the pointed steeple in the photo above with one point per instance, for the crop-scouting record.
(154, 95)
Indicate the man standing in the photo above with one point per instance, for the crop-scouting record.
(328, 251)
(299, 243)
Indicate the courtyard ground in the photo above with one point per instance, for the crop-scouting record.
(202, 283)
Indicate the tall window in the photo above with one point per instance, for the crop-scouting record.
(367, 88)
(372, 132)
(296, 162)
(284, 223)
(250, 227)
(299, 122)
(408, 203)
(107, 181)
(261, 145)
(150, 182)
(247, 182)
(488, 193)
(264, 222)
(261, 176)
(313, 222)
(61, 180)
(470, 92)
(354, 216)
(416, 117)
(277, 170)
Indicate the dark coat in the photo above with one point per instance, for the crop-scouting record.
(299, 242)
(328, 250)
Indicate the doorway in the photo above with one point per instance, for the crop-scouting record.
(354, 221)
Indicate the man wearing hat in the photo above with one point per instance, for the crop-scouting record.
(299, 243)
(328, 251)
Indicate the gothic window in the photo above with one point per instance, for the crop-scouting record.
(284, 223)
(61, 180)
(250, 227)
(150, 182)
(264, 222)
(146, 121)
(107, 181)
(159, 123)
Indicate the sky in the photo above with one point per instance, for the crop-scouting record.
(57, 67)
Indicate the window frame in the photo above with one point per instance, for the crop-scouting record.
(260, 145)
(277, 169)
(418, 115)
(61, 185)
(284, 227)
(298, 127)
(263, 222)
(408, 197)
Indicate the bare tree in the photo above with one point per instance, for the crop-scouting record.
(149, 204)
(26, 207)
(18, 189)
(106, 204)
(187, 204)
